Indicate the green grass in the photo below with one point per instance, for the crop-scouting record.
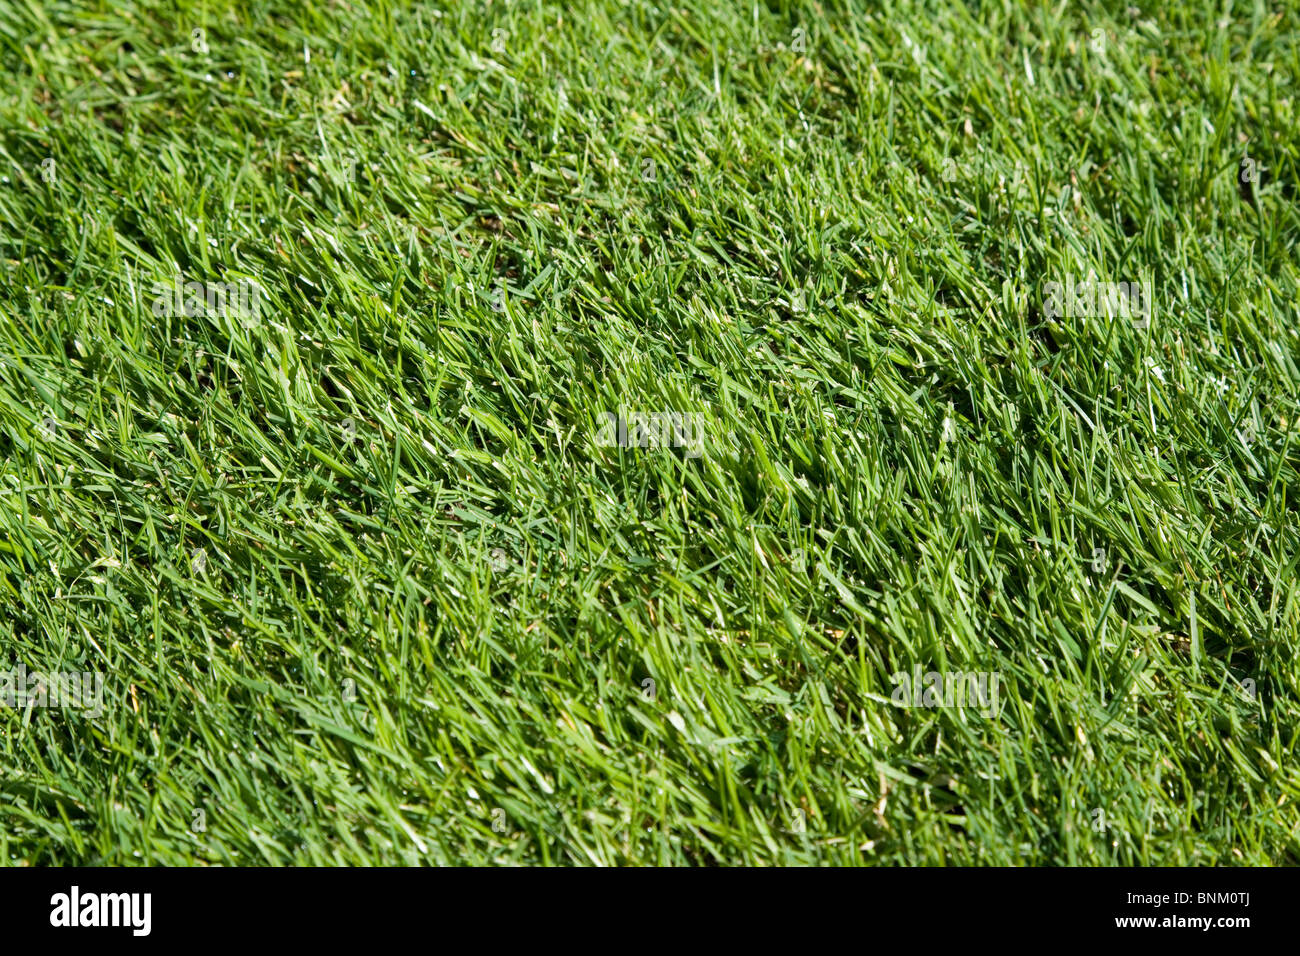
(358, 575)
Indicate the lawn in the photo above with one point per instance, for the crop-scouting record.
(679, 433)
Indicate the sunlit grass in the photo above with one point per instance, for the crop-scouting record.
(364, 584)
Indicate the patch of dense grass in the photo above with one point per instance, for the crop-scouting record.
(361, 582)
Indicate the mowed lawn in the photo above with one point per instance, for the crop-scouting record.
(606, 433)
